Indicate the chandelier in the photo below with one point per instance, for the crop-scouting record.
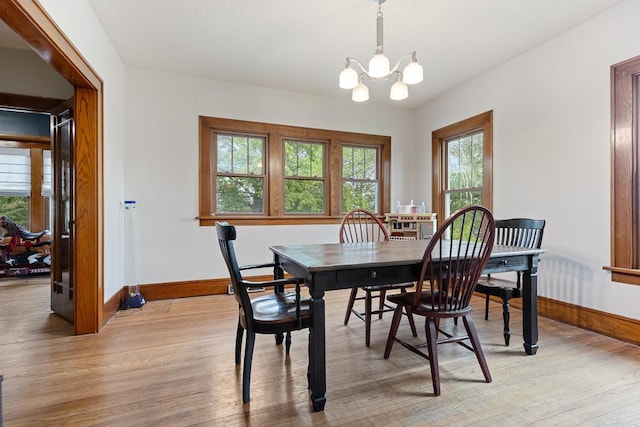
(379, 68)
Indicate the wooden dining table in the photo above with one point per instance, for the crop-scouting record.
(333, 266)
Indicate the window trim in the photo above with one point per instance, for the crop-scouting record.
(274, 190)
(481, 122)
(625, 182)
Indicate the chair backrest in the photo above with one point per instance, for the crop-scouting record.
(454, 259)
(361, 225)
(226, 236)
(523, 232)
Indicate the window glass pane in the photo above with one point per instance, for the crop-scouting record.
(370, 163)
(453, 165)
(16, 208)
(466, 165)
(290, 159)
(255, 155)
(465, 162)
(239, 194)
(460, 199)
(224, 151)
(359, 163)
(347, 162)
(477, 160)
(304, 196)
(46, 173)
(239, 154)
(303, 159)
(18, 122)
(360, 195)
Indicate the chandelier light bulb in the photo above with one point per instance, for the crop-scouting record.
(399, 91)
(348, 78)
(360, 93)
(412, 73)
(378, 66)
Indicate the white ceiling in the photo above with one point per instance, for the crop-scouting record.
(301, 45)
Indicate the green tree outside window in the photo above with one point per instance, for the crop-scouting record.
(360, 178)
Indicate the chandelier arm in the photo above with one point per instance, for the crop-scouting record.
(354, 60)
(395, 67)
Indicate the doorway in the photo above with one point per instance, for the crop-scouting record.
(30, 21)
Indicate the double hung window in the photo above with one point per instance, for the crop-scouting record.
(462, 165)
(261, 173)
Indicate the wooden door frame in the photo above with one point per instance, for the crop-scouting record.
(31, 22)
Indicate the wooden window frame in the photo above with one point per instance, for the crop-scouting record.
(274, 189)
(482, 122)
(625, 180)
(324, 178)
(214, 161)
(379, 166)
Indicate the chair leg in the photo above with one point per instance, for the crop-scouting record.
(383, 295)
(486, 307)
(287, 342)
(431, 329)
(477, 349)
(505, 318)
(367, 317)
(412, 323)
(352, 299)
(239, 333)
(279, 338)
(246, 371)
(395, 322)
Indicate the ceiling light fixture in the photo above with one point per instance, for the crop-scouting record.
(379, 69)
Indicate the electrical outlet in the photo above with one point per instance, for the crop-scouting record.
(229, 290)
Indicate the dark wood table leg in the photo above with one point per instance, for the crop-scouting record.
(530, 307)
(278, 273)
(317, 352)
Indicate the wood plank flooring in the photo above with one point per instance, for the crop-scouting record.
(170, 363)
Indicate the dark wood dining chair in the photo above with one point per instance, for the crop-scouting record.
(361, 225)
(278, 313)
(522, 232)
(451, 266)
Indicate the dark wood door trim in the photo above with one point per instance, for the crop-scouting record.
(31, 22)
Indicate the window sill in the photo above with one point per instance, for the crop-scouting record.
(254, 220)
(624, 275)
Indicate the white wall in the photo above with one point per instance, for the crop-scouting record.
(161, 162)
(78, 21)
(23, 72)
(552, 150)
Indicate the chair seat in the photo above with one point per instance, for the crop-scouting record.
(425, 307)
(498, 287)
(503, 289)
(277, 308)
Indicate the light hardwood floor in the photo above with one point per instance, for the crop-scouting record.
(170, 363)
